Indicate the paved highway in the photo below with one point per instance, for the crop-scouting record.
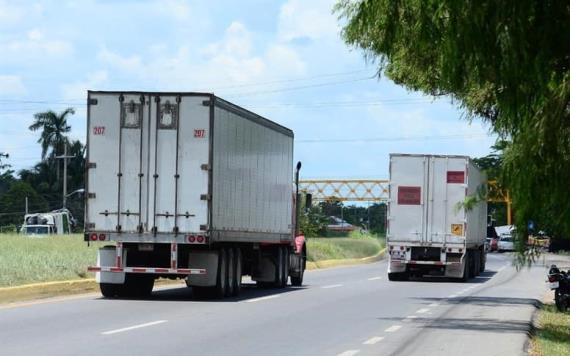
(341, 311)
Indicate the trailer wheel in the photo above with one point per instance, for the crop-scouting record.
(285, 267)
(401, 276)
(278, 281)
(297, 280)
(477, 262)
(483, 262)
(110, 290)
(466, 268)
(238, 262)
(221, 280)
(231, 272)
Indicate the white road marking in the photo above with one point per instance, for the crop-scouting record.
(422, 311)
(373, 340)
(433, 305)
(374, 278)
(411, 317)
(261, 298)
(393, 328)
(452, 296)
(332, 286)
(349, 353)
(110, 332)
(502, 268)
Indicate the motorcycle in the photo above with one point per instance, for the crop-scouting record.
(560, 283)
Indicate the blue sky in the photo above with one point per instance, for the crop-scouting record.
(282, 59)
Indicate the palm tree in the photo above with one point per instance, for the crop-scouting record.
(54, 127)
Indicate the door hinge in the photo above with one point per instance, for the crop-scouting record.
(205, 197)
(204, 227)
(205, 167)
(92, 101)
(91, 195)
(91, 165)
(90, 225)
(206, 102)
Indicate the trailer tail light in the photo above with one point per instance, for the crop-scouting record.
(460, 250)
(102, 237)
(449, 249)
(391, 247)
(197, 239)
(93, 237)
(401, 248)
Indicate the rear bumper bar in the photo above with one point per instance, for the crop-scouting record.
(154, 270)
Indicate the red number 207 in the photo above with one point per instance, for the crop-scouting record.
(99, 130)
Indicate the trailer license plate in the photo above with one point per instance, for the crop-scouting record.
(554, 285)
(146, 247)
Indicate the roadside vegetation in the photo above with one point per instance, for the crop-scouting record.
(553, 334)
(355, 245)
(26, 260)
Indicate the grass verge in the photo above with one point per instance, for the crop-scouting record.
(336, 248)
(553, 334)
(31, 260)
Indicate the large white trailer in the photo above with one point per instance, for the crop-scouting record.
(190, 186)
(429, 229)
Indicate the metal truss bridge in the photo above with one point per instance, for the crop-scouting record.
(376, 190)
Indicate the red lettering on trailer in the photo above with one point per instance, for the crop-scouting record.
(409, 195)
(99, 130)
(199, 133)
(456, 177)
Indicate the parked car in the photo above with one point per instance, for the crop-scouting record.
(506, 243)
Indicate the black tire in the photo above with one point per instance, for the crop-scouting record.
(110, 290)
(238, 264)
(297, 280)
(278, 280)
(466, 268)
(231, 271)
(222, 279)
(471, 260)
(476, 263)
(398, 277)
(561, 304)
(285, 275)
(483, 263)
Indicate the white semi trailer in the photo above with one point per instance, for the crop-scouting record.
(429, 229)
(188, 185)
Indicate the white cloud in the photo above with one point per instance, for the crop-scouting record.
(35, 47)
(307, 19)
(78, 90)
(11, 85)
(132, 63)
(10, 14)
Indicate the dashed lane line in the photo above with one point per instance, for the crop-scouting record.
(261, 298)
(332, 286)
(349, 353)
(393, 328)
(373, 340)
(110, 332)
(374, 278)
(422, 311)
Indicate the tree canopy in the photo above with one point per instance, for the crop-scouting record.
(504, 61)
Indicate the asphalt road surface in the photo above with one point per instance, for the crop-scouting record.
(340, 311)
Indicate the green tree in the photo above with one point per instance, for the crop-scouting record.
(505, 61)
(13, 203)
(53, 128)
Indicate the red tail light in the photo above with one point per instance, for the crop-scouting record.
(191, 238)
(200, 239)
(102, 237)
(93, 237)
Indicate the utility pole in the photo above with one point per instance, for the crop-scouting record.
(64, 157)
(26, 205)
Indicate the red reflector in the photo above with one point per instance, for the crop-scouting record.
(401, 248)
(102, 237)
(460, 250)
(191, 238)
(449, 249)
(200, 239)
(552, 278)
(93, 237)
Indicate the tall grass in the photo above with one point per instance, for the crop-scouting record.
(326, 248)
(553, 334)
(26, 259)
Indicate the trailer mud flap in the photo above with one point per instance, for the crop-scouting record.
(107, 256)
(207, 260)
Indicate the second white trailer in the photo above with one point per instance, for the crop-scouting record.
(430, 231)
